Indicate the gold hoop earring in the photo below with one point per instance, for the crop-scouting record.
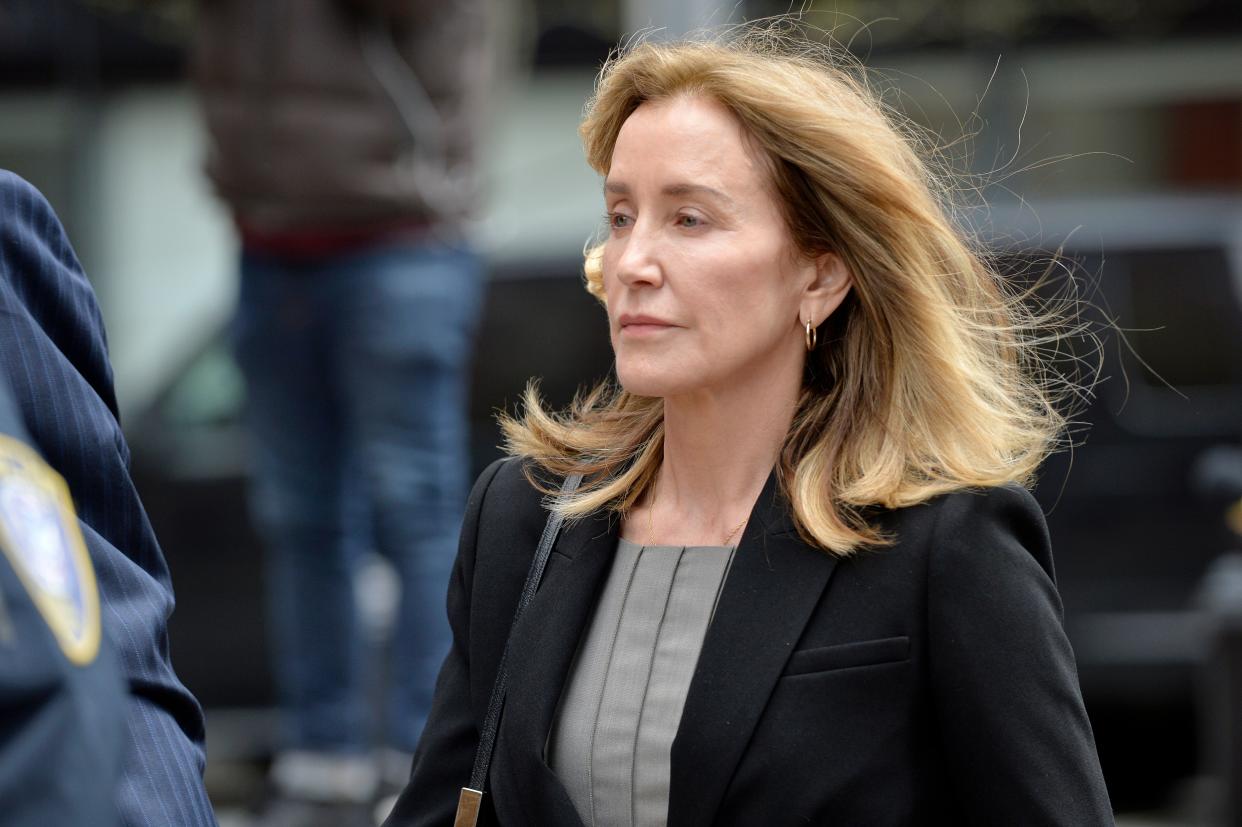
(812, 337)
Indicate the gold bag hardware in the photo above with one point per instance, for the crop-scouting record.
(468, 806)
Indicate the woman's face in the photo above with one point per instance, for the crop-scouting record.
(703, 287)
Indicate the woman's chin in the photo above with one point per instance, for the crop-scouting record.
(651, 383)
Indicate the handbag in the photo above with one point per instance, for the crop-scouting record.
(470, 802)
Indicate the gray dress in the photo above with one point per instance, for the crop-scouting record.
(613, 736)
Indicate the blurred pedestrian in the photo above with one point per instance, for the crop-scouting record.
(343, 139)
(62, 697)
(54, 358)
(801, 581)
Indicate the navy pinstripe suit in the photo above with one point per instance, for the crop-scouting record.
(53, 353)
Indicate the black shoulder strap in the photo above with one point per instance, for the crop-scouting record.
(487, 736)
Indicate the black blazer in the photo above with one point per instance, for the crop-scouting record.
(926, 683)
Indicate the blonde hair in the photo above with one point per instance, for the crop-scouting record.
(927, 378)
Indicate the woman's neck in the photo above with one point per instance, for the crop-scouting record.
(719, 448)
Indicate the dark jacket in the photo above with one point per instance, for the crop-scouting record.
(61, 694)
(55, 360)
(330, 114)
(927, 683)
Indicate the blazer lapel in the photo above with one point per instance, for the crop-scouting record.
(774, 585)
(545, 642)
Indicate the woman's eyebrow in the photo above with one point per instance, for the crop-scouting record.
(620, 188)
(698, 189)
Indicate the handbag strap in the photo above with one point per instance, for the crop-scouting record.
(487, 736)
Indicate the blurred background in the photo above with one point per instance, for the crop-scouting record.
(1110, 129)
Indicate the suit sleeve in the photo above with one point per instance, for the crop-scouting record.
(445, 753)
(54, 355)
(61, 717)
(1004, 681)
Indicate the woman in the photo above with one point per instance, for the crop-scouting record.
(800, 583)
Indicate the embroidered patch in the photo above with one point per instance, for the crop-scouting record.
(39, 534)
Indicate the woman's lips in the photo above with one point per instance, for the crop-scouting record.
(634, 325)
(644, 329)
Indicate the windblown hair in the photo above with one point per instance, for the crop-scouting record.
(927, 378)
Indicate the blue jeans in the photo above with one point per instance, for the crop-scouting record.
(356, 371)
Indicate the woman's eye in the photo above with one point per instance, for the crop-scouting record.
(618, 221)
(689, 221)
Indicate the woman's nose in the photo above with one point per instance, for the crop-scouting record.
(639, 260)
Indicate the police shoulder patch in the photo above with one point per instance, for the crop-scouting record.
(39, 534)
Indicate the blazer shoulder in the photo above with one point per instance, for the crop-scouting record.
(13, 185)
(504, 509)
(508, 488)
(982, 527)
(999, 501)
(34, 248)
(22, 204)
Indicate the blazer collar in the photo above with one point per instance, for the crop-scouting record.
(773, 586)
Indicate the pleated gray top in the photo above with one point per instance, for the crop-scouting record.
(613, 737)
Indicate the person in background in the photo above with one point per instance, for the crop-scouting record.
(54, 359)
(342, 136)
(61, 692)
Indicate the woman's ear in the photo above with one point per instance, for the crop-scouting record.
(830, 283)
